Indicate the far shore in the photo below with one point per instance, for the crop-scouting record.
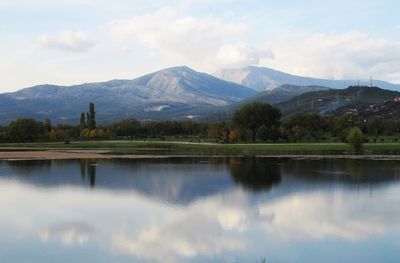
(169, 149)
(103, 154)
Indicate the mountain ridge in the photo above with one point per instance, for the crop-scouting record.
(263, 78)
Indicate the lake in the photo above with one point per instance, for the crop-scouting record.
(200, 210)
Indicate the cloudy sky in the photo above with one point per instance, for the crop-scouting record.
(76, 41)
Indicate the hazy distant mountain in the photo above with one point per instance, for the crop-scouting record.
(261, 78)
(173, 93)
(338, 101)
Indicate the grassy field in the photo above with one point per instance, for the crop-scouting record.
(184, 148)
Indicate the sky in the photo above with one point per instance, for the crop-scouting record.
(69, 42)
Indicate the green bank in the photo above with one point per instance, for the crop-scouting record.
(185, 148)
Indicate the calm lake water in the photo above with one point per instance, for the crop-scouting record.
(200, 210)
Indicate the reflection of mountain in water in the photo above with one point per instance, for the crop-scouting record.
(183, 180)
(171, 180)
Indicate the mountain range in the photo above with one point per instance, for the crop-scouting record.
(262, 78)
(173, 93)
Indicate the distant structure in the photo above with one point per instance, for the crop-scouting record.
(397, 99)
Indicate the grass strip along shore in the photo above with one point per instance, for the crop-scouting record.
(185, 148)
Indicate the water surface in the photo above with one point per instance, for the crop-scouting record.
(200, 210)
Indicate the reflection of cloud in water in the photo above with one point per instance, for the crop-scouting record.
(204, 229)
(320, 215)
(212, 226)
(68, 234)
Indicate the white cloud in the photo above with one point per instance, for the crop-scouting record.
(341, 56)
(68, 40)
(204, 43)
(240, 55)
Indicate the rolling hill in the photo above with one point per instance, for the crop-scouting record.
(273, 97)
(336, 101)
(366, 101)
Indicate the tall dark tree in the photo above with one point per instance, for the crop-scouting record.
(91, 117)
(47, 124)
(254, 115)
(83, 121)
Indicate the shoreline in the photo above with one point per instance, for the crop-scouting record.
(75, 154)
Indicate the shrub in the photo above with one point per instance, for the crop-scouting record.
(355, 138)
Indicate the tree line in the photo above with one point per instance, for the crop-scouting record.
(255, 122)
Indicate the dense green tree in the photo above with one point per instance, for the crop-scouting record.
(25, 130)
(274, 133)
(254, 115)
(304, 125)
(127, 128)
(4, 136)
(263, 133)
(388, 127)
(217, 130)
(372, 127)
(344, 123)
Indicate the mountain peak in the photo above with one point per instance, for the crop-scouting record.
(178, 69)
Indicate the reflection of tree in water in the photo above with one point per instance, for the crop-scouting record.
(88, 171)
(350, 171)
(28, 167)
(256, 174)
